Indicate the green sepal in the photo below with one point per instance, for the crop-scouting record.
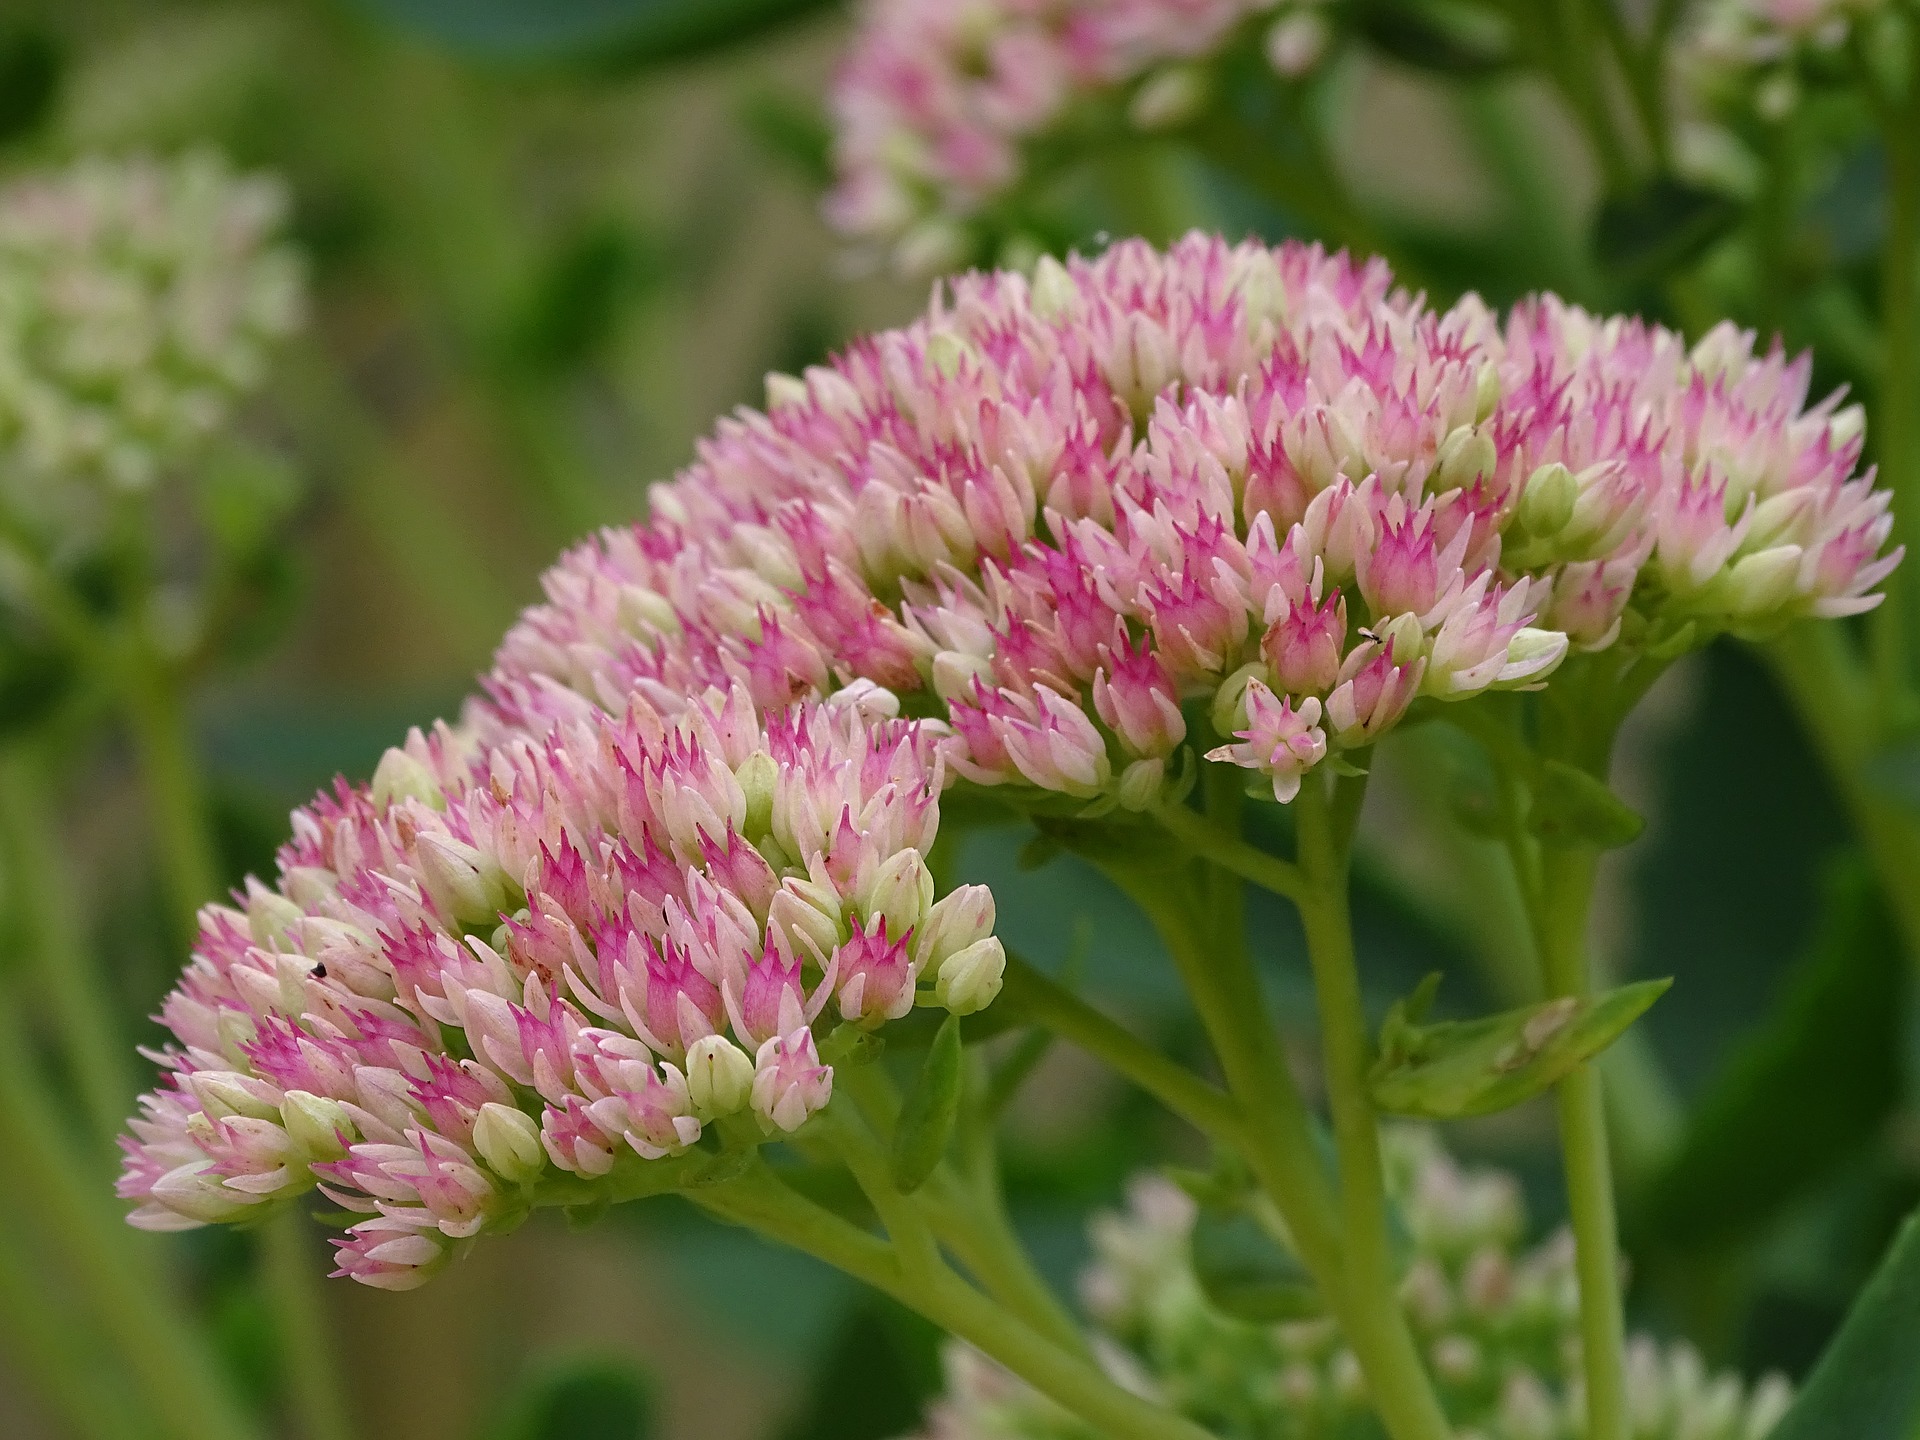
(927, 1119)
(729, 1164)
(1455, 1068)
(1571, 807)
(589, 1214)
(850, 1046)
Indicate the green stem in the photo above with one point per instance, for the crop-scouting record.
(1375, 1325)
(307, 1351)
(46, 914)
(1058, 1009)
(1568, 877)
(183, 1387)
(1232, 854)
(758, 1202)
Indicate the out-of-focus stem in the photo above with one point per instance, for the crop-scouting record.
(1896, 633)
(182, 1384)
(50, 1350)
(1567, 878)
(1374, 1323)
(180, 819)
(47, 914)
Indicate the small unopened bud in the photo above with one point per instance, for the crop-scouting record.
(955, 671)
(509, 1141)
(319, 1128)
(226, 1092)
(1546, 505)
(784, 391)
(1847, 425)
(1054, 293)
(1172, 97)
(969, 980)
(807, 917)
(719, 1077)
(269, 913)
(1140, 784)
(758, 776)
(947, 352)
(1466, 458)
(1762, 581)
(466, 885)
(399, 776)
(1403, 638)
(1486, 392)
(645, 614)
(901, 893)
(958, 920)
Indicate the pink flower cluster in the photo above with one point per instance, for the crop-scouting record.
(571, 953)
(1056, 514)
(936, 97)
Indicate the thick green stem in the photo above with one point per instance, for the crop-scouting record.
(758, 1202)
(1567, 874)
(1376, 1327)
(182, 1385)
(45, 911)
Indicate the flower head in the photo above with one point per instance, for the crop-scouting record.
(570, 952)
(138, 299)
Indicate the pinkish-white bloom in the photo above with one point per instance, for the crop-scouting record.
(568, 952)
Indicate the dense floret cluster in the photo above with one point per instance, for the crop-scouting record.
(571, 954)
(138, 298)
(1499, 1324)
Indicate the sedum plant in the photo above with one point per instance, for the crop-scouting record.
(1176, 1312)
(1125, 548)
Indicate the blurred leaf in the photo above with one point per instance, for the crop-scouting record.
(243, 495)
(1572, 807)
(1661, 226)
(1454, 1068)
(30, 65)
(1449, 36)
(1867, 1385)
(1804, 1093)
(35, 674)
(1246, 1273)
(874, 1380)
(602, 1397)
(793, 131)
(926, 1120)
(577, 301)
(628, 31)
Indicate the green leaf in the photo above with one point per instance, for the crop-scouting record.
(926, 1120)
(1571, 807)
(1246, 1273)
(1867, 1384)
(634, 32)
(606, 1397)
(1454, 1068)
(1659, 227)
(1449, 36)
(1802, 1096)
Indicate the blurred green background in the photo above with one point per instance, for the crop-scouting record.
(545, 254)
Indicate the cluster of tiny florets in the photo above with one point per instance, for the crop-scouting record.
(1499, 1325)
(937, 99)
(569, 955)
(138, 298)
(1067, 517)
(1750, 56)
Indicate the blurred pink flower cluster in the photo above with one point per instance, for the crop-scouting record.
(936, 97)
(1053, 514)
(568, 953)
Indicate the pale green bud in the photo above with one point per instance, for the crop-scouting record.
(1054, 293)
(1763, 581)
(509, 1141)
(958, 920)
(227, 1092)
(399, 776)
(758, 776)
(1466, 457)
(269, 913)
(319, 1128)
(645, 614)
(719, 1077)
(947, 351)
(1404, 638)
(808, 916)
(901, 893)
(784, 391)
(467, 886)
(955, 671)
(968, 981)
(1546, 504)
(1486, 392)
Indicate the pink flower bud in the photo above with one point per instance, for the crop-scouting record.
(1138, 701)
(1303, 647)
(789, 1082)
(873, 976)
(1278, 741)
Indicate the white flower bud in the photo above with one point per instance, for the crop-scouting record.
(467, 887)
(1403, 638)
(319, 1128)
(958, 920)
(807, 916)
(399, 776)
(269, 913)
(969, 980)
(227, 1092)
(955, 671)
(645, 614)
(1763, 581)
(509, 1141)
(946, 351)
(719, 1077)
(1054, 293)
(1466, 457)
(784, 391)
(193, 1191)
